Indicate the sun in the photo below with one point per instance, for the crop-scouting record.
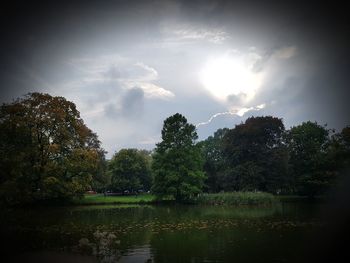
(226, 76)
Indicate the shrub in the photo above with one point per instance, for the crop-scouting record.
(237, 198)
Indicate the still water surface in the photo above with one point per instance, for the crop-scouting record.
(135, 233)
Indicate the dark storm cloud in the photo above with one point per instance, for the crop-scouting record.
(311, 86)
(329, 94)
(132, 103)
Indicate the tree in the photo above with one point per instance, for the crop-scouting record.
(46, 150)
(308, 146)
(177, 162)
(345, 147)
(147, 179)
(214, 161)
(339, 149)
(256, 155)
(130, 170)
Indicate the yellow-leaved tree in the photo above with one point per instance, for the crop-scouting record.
(47, 153)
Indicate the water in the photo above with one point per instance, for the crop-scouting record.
(135, 233)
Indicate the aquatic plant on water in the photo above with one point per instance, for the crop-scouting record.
(104, 246)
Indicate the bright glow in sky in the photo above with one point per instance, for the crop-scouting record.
(217, 62)
(225, 76)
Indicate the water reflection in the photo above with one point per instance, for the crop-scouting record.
(164, 233)
(140, 254)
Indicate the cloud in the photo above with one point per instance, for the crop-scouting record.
(118, 71)
(132, 103)
(153, 91)
(151, 140)
(153, 74)
(111, 111)
(183, 33)
(238, 111)
(286, 52)
(129, 105)
(267, 64)
(164, 44)
(236, 99)
(268, 56)
(112, 86)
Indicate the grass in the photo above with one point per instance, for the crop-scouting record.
(233, 198)
(98, 199)
(299, 198)
(237, 199)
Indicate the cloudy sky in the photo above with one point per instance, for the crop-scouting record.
(128, 65)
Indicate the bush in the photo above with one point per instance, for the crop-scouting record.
(237, 198)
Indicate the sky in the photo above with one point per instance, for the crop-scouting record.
(128, 65)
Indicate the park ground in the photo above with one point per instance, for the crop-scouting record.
(97, 199)
(238, 198)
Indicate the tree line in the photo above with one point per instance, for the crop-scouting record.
(48, 154)
(261, 155)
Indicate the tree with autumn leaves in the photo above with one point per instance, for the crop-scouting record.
(47, 152)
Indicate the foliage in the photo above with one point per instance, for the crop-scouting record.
(46, 150)
(48, 154)
(214, 162)
(130, 170)
(309, 146)
(339, 150)
(103, 245)
(177, 162)
(261, 155)
(146, 181)
(256, 155)
(237, 198)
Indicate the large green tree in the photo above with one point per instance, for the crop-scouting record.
(177, 162)
(256, 155)
(46, 150)
(311, 158)
(130, 170)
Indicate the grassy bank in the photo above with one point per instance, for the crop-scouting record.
(237, 199)
(100, 199)
(298, 198)
(234, 199)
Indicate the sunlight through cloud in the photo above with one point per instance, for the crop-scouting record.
(228, 75)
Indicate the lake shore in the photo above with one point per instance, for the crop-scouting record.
(232, 199)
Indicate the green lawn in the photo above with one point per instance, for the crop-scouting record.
(101, 199)
(236, 198)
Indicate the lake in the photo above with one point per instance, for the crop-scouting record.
(160, 233)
